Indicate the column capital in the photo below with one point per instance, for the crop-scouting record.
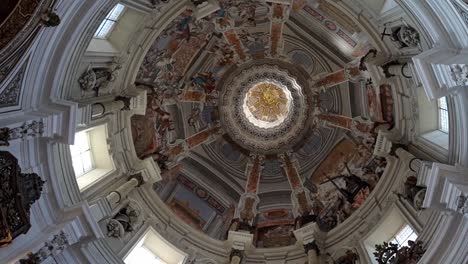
(239, 240)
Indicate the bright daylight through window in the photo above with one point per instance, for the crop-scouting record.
(142, 255)
(443, 115)
(109, 22)
(402, 237)
(82, 157)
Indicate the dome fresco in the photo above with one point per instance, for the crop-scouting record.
(233, 131)
(228, 71)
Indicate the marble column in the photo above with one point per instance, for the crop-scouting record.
(247, 209)
(358, 125)
(194, 96)
(302, 204)
(279, 14)
(181, 147)
(226, 26)
(329, 80)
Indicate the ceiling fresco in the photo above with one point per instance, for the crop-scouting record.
(234, 114)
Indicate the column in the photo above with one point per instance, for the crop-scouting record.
(329, 80)
(307, 236)
(359, 126)
(236, 256)
(115, 197)
(312, 252)
(279, 14)
(102, 109)
(225, 25)
(393, 69)
(298, 5)
(194, 96)
(181, 147)
(302, 204)
(247, 209)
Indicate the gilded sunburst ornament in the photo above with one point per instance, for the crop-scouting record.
(267, 104)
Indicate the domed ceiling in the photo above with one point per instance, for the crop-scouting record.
(233, 91)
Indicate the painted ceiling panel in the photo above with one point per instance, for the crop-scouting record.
(202, 76)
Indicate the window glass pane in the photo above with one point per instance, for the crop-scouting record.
(402, 237)
(82, 158)
(78, 166)
(443, 103)
(443, 115)
(108, 23)
(87, 161)
(105, 29)
(115, 12)
(142, 255)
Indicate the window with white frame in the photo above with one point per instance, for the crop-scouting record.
(405, 234)
(82, 157)
(152, 248)
(394, 228)
(443, 114)
(143, 255)
(90, 156)
(108, 24)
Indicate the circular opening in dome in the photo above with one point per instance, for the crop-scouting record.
(267, 104)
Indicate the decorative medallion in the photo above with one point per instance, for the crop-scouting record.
(263, 106)
(267, 105)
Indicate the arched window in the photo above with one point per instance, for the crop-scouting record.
(107, 25)
(443, 114)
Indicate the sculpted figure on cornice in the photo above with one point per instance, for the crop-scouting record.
(404, 35)
(127, 220)
(28, 129)
(98, 81)
(460, 74)
(50, 248)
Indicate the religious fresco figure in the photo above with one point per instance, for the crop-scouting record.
(204, 81)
